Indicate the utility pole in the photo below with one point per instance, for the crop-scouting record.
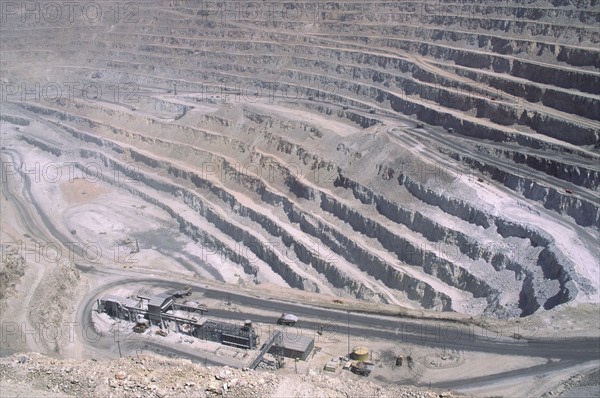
(119, 345)
(348, 311)
(119, 338)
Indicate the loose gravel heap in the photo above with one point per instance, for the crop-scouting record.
(148, 376)
(580, 385)
(11, 270)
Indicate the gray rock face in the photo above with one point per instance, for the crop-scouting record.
(289, 147)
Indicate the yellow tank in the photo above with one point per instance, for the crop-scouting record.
(360, 354)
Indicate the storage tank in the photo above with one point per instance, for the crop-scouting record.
(360, 354)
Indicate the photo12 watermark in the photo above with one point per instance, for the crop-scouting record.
(69, 12)
(69, 172)
(56, 252)
(51, 93)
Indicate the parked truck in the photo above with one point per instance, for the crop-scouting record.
(184, 291)
(287, 319)
(363, 368)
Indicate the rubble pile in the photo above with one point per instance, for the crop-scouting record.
(11, 270)
(153, 376)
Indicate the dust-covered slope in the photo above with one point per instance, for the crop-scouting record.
(285, 142)
(33, 374)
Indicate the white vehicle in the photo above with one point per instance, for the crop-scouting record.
(287, 319)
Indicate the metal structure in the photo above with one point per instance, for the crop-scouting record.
(228, 334)
(120, 307)
(273, 338)
(156, 310)
(157, 306)
(293, 346)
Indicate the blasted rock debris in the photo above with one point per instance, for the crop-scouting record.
(149, 376)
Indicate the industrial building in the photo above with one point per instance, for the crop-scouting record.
(164, 311)
(293, 346)
(160, 309)
(158, 305)
(228, 334)
(285, 345)
(120, 307)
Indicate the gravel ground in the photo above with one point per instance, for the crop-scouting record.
(35, 375)
(580, 385)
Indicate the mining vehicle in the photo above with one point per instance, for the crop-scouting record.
(185, 291)
(287, 319)
(363, 368)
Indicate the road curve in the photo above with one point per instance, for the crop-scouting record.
(560, 353)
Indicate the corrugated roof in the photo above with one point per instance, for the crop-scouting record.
(159, 299)
(224, 327)
(294, 342)
(126, 302)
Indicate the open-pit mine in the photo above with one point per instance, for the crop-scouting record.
(398, 196)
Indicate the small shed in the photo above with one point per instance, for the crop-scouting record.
(293, 346)
(331, 366)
